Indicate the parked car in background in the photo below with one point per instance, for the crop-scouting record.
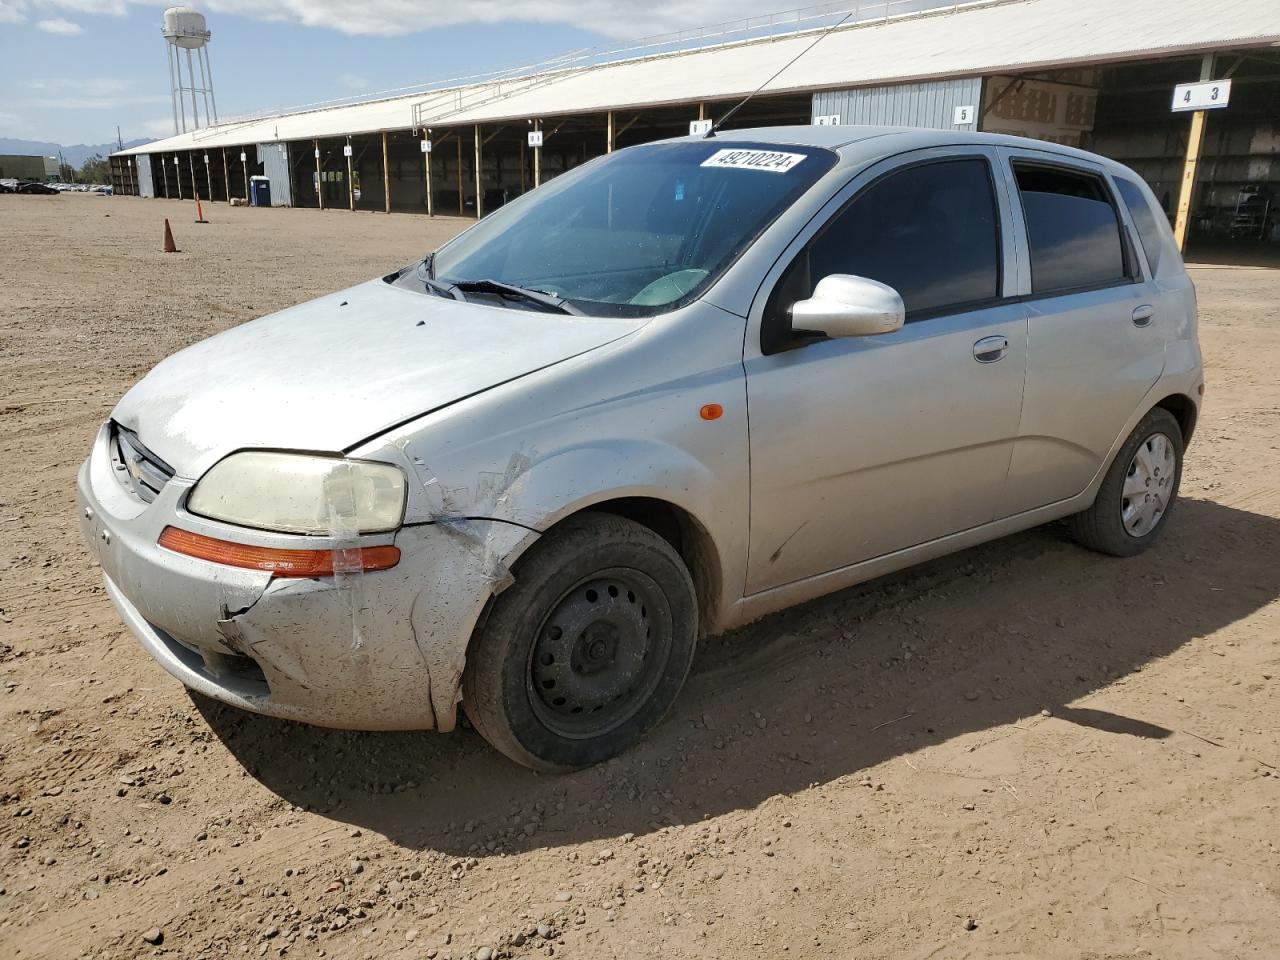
(680, 387)
(34, 186)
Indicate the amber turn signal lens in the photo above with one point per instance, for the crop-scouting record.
(711, 411)
(280, 563)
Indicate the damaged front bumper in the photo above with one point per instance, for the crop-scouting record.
(371, 651)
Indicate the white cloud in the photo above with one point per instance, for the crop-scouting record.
(353, 82)
(59, 26)
(87, 86)
(613, 18)
(159, 128)
(90, 93)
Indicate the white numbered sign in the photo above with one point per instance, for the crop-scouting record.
(242, 157)
(317, 153)
(426, 146)
(535, 138)
(699, 127)
(962, 115)
(346, 150)
(827, 120)
(1210, 95)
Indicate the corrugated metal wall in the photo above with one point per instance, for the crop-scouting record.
(931, 105)
(274, 158)
(143, 167)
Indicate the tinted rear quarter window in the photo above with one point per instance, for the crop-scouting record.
(1072, 229)
(1144, 218)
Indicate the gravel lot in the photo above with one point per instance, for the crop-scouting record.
(871, 775)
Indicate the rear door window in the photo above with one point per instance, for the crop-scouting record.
(1072, 228)
(1144, 218)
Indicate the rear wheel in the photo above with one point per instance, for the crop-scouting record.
(1138, 492)
(588, 649)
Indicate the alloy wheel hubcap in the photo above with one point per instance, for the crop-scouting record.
(1148, 485)
(599, 654)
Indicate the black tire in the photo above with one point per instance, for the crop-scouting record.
(609, 610)
(1103, 526)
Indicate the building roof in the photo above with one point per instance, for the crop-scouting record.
(987, 37)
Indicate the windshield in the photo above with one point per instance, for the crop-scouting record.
(636, 232)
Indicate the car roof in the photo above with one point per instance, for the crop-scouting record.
(853, 141)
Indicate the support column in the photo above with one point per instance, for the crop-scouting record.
(386, 176)
(244, 166)
(315, 145)
(609, 134)
(462, 206)
(479, 179)
(293, 184)
(351, 186)
(1195, 141)
(537, 159)
(427, 165)
(177, 174)
(226, 176)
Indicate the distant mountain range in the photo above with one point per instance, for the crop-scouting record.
(76, 154)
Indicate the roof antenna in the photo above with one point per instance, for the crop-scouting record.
(743, 102)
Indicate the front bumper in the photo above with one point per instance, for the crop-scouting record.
(371, 651)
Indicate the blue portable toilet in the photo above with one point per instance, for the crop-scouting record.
(259, 191)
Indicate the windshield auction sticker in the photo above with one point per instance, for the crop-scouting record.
(771, 161)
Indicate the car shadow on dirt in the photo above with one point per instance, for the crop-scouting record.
(970, 644)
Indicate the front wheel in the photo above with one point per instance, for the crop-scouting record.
(1138, 492)
(585, 653)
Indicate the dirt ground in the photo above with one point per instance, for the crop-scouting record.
(859, 777)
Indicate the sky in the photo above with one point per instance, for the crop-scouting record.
(72, 70)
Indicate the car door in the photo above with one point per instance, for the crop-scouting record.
(1094, 349)
(863, 446)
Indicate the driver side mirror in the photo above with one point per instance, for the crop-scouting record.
(843, 305)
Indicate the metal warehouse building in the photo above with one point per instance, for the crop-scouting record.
(1099, 74)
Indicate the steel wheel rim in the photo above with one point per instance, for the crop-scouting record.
(599, 653)
(1148, 485)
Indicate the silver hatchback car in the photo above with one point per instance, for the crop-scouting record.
(683, 386)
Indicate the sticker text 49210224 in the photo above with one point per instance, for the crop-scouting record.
(770, 161)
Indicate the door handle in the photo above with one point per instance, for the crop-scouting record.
(1142, 315)
(990, 349)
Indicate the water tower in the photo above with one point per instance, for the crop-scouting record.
(184, 30)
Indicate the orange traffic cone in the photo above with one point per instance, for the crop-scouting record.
(169, 246)
(200, 212)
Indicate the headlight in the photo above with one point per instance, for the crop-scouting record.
(295, 493)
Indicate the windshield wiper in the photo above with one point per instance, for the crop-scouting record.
(548, 300)
(426, 273)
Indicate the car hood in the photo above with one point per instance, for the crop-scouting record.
(327, 374)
